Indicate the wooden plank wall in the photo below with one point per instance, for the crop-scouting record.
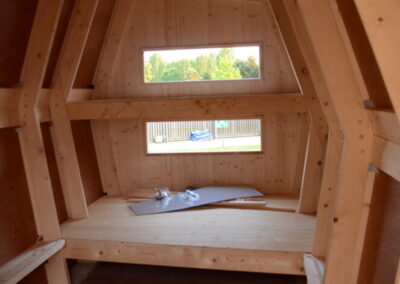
(182, 23)
(166, 23)
(274, 171)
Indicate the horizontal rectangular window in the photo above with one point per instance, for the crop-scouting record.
(206, 136)
(202, 64)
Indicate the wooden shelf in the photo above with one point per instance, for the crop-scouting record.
(217, 238)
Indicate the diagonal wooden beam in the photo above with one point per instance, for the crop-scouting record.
(102, 80)
(63, 80)
(305, 72)
(30, 135)
(381, 22)
(344, 90)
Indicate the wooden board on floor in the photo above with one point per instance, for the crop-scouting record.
(254, 240)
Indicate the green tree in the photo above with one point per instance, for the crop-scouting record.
(206, 66)
(226, 65)
(248, 69)
(148, 73)
(158, 67)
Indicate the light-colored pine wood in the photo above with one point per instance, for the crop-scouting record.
(381, 22)
(182, 23)
(345, 94)
(385, 124)
(300, 68)
(325, 214)
(63, 79)
(261, 261)
(102, 79)
(386, 156)
(312, 173)
(188, 108)
(23, 264)
(114, 233)
(30, 136)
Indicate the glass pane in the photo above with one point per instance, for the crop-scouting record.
(202, 64)
(242, 135)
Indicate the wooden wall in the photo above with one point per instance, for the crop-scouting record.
(174, 23)
(277, 170)
(381, 249)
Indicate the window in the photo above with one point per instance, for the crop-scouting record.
(202, 64)
(207, 136)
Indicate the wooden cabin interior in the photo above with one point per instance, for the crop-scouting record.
(77, 96)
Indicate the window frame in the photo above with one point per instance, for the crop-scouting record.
(185, 47)
(259, 152)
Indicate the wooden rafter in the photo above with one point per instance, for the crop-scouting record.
(30, 135)
(381, 22)
(345, 93)
(102, 80)
(63, 79)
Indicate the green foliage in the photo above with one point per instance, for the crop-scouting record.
(222, 66)
(248, 69)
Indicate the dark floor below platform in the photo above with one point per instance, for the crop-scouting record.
(114, 273)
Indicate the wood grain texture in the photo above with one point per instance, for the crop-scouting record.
(381, 250)
(272, 172)
(180, 23)
(252, 240)
(19, 267)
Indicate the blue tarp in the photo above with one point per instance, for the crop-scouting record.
(199, 135)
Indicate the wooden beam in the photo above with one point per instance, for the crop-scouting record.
(386, 156)
(325, 214)
(312, 173)
(298, 43)
(102, 79)
(261, 261)
(345, 93)
(9, 100)
(381, 22)
(30, 135)
(300, 68)
(385, 124)
(19, 267)
(188, 108)
(63, 79)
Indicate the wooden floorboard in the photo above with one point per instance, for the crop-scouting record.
(216, 238)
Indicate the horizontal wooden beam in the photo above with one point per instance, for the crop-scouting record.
(385, 124)
(386, 156)
(185, 108)
(19, 267)
(183, 256)
(9, 99)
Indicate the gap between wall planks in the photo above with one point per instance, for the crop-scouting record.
(23, 264)
(381, 23)
(347, 97)
(63, 80)
(102, 79)
(31, 140)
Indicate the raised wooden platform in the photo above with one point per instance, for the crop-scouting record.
(217, 238)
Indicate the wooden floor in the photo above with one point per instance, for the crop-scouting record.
(217, 238)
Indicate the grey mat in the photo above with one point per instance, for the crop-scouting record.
(198, 197)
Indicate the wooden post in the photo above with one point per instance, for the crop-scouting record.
(104, 72)
(345, 93)
(63, 79)
(30, 135)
